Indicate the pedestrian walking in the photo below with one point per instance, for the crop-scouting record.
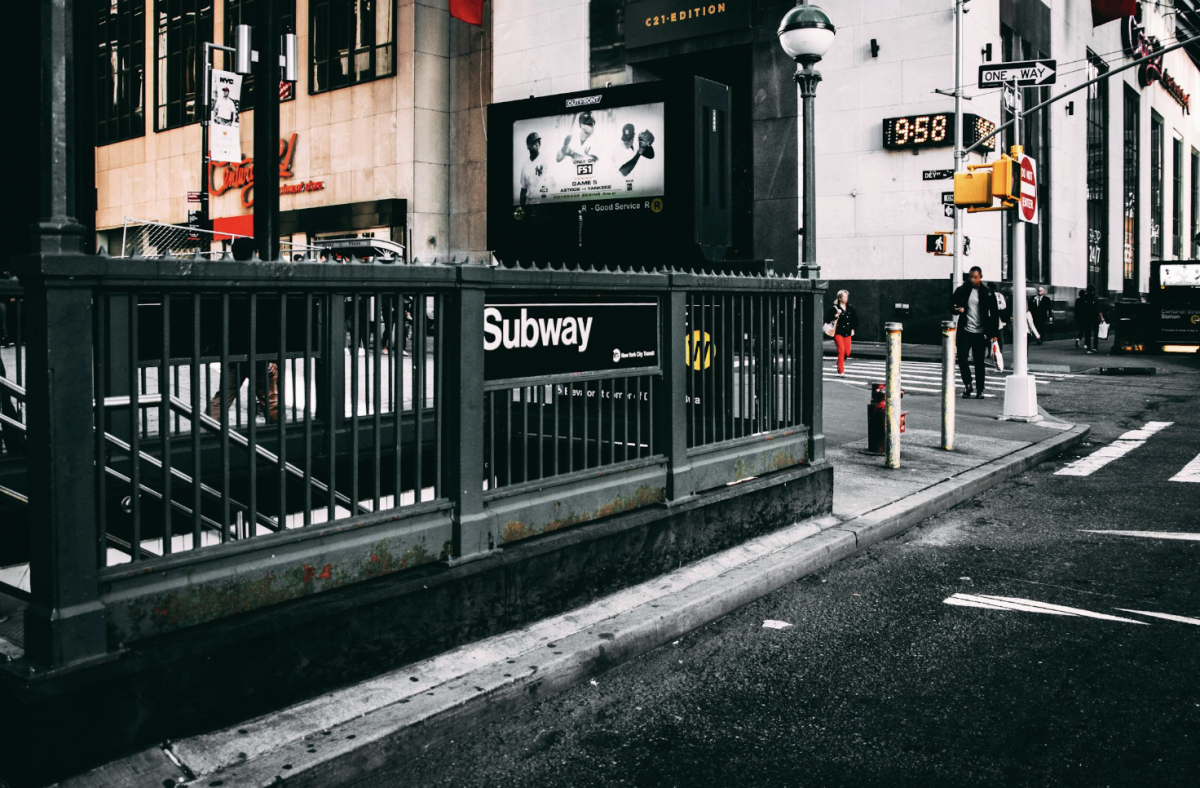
(1040, 313)
(1088, 317)
(978, 324)
(1003, 315)
(845, 321)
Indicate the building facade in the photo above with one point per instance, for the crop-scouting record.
(382, 135)
(1117, 163)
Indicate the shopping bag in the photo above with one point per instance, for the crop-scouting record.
(1103, 330)
(997, 355)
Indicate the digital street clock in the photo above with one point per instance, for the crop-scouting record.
(934, 131)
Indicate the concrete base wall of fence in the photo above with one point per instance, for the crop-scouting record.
(220, 673)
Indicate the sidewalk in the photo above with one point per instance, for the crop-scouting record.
(1058, 355)
(345, 735)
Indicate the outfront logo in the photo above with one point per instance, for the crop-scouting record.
(583, 102)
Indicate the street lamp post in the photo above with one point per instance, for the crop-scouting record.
(806, 35)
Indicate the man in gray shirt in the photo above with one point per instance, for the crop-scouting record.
(978, 324)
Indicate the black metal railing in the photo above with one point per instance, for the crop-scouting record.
(273, 429)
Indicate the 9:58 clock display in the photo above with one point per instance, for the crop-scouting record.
(934, 130)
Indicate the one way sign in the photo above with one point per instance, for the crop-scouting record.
(1025, 73)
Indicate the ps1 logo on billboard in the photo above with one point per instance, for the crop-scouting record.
(544, 337)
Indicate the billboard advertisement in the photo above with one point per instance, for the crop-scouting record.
(224, 120)
(590, 153)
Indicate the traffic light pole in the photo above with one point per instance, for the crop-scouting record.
(1020, 388)
(959, 155)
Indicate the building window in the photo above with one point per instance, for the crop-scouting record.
(1156, 186)
(1129, 264)
(181, 27)
(244, 12)
(1097, 175)
(1177, 197)
(1194, 243)
(350, 42)
(120, 71)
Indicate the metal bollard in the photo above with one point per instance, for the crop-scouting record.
(949, 334)
(892, 435)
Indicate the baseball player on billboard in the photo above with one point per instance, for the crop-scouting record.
(631, 150)
(584, 150)
(533, 172)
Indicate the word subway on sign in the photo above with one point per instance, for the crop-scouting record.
(934, 131)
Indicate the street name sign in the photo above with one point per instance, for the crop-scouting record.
(1023, 73)
(1027, 210)
(937, 175)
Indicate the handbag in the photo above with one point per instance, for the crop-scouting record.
(1103, 330)
(830, 328)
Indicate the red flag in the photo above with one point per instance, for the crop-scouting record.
(469, 11)
(1108, 10)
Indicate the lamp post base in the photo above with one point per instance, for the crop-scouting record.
(1020, 398)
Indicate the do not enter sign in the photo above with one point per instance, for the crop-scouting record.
(1028, 209)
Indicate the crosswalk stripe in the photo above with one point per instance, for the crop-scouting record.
(1190, 472)
(1016, 604)
(935, 372)
(1180, 535)
(922, 390)
(1086, 466)
(906, 379)
(1164, 616)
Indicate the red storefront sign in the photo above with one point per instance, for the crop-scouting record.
(223, 176)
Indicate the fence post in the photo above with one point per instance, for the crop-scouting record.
(65, 621)
(812, 349)
(331, 366)
(462, 455)
(671, 406)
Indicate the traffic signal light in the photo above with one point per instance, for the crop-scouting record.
(1006, 178)
(973, 188)
(981, 183)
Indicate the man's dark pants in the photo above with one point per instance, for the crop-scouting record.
(973, 343)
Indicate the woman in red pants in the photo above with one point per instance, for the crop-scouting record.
(845, 320)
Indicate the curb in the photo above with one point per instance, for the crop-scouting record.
(350, 733)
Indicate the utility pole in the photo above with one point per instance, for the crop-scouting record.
(266, 130)
(1020, 388)
(959, 156)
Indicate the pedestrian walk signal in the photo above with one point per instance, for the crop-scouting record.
(938, 243)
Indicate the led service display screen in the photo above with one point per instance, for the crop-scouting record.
(591, 154)
(934, 131)
(1179, 275)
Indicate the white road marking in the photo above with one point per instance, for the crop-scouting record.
(1016, 604)
(1190, 472)
(1183, 536)
(1146, 431)
(1086, 466)
(1165, 616)
(773, 624)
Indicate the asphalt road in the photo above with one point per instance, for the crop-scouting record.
(928, 660)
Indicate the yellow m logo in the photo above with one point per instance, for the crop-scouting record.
(700, 350)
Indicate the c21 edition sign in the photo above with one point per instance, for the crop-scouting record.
(568, 335)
